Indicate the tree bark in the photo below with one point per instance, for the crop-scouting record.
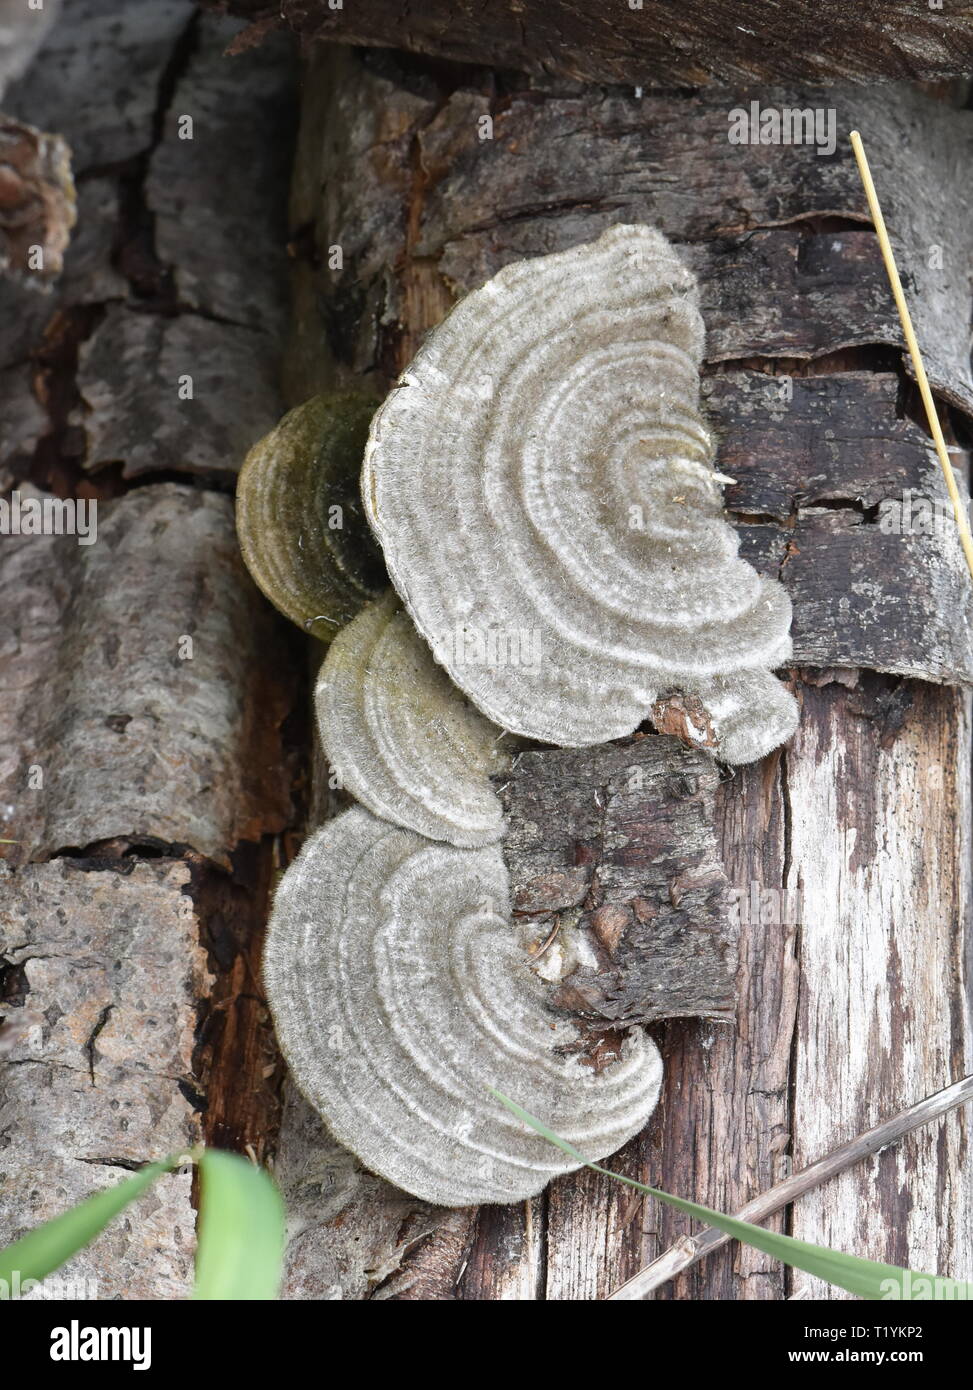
(146, 767)
(666, 42)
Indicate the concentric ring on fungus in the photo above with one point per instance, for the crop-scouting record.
(401, 990)
(400, 736)
(541, 484)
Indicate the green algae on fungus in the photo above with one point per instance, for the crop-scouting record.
(299, 515)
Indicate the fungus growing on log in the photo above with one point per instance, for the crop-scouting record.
(401, 737)
(401, 991)
(541, 483)
(299, 514)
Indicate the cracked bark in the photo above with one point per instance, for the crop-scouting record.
(149, 689)
(857, 1005)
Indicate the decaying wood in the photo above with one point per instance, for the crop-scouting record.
(670, 42)
(36, 201)
(617, 845)
(124, 722)
(846, 1156)
(392, 173)
(146, 682)
(885, 878)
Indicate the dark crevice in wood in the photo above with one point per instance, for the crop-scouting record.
(237, 1062)
(130, 1165)
(14, 985)
(871, 357)
(134, 253)
(786, 861)
(92, 1038)
(118, 855)
(58, 458)
(239, 1069)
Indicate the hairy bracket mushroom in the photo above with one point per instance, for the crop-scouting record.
(401, 737)
(299, 517)
(401, 991)
(541, 484)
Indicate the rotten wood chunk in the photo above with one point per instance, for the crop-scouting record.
(841, 497)
(99, 75)
(867, 597)
(159, 393)
(613, 857)
(685, 45)
(141, 684)
(37, 202)
(686, 718)
(227, 114)
(793, 442)
(100, 974)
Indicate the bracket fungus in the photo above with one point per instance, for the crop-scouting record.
(541, 484)
(298, 514)
(401, 737)
(401, 991)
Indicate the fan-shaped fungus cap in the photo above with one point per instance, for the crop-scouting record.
(401, 991)
(401, 737)
(298, 513)
(541, 484)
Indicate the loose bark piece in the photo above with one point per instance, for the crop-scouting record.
(123, 720)
(37, 208)
(22, 31)
(846, 615)
(615, 845)
(98, 77)
(107, 966)
(668, 42)
(794, 442)
(136, 374)
(217, 182)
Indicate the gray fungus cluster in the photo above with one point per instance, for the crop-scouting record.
(541, 486)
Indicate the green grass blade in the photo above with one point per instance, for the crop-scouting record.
(866, 1278)
(41, 1251)
(241, 1236)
